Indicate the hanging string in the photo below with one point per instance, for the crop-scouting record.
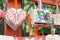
(16, 6)
(40, 4)
(57, 8)
(40, 7)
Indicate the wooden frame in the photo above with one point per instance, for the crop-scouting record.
(50, 2)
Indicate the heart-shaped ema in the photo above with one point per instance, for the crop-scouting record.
(14, 18)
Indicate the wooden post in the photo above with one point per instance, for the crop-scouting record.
(36, 33)
(16, 6)
(29, 20)
(4, 27)
(52, 24)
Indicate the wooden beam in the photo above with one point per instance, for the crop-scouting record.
(50, 2)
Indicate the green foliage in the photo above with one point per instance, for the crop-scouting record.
(27, 6)
(1, 26)
(57, 29)
(50, 7)
(45, 30)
